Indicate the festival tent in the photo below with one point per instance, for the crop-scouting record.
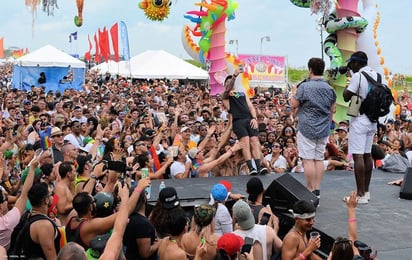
(62, 70)
(161, 64)
(111, 67)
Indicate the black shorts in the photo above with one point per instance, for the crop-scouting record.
(242, 128)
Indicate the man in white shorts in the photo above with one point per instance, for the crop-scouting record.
(361, 129)
(315, 101)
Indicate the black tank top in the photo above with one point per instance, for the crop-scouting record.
(238, 106)
(73, 234)
(34, 250)
(255, 210)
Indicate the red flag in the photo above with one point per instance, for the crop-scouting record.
(87, 55)
(97, 53)
(1, 47)
(114, 33)
(104, 43)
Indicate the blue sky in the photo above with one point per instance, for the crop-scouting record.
(292, 29)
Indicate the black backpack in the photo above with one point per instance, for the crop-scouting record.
(21, 232)
(378, 100)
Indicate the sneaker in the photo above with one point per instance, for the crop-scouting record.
(316, 193)
(253, 172)
(368, 195)
(363, 200)
(263, 171)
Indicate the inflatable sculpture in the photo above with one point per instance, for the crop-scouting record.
(156, 10)
(348, 32)
(209, 26)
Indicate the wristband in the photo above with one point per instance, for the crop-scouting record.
(137, 189)
(302, 256)
(351, 220)
(94, 177)
(254, 118)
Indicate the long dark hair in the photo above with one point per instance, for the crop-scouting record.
(342, 249)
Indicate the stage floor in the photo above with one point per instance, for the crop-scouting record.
(384, 223)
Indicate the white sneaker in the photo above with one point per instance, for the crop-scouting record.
(368, 195)
(363, 200)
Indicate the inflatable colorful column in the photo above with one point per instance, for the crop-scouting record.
(211, 28)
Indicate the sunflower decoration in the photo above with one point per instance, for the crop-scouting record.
(156, 10)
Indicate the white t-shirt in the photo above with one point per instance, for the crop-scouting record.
(279, 163)
(223, 220)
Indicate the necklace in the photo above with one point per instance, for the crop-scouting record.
(301, 234)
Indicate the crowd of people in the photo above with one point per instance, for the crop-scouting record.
(113, 131)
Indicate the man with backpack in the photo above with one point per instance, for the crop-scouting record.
(363, 126)
(39, 237)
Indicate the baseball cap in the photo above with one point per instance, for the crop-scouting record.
(227, 184)
(219, 192)
(81, 162)
(254, 187)
(97, 246)
(243, 215)
(184, 129)
(192, 152)
(168, 198)
(230, 243)
(26, 102)
(203, 214)
(104, 204)
(358, 56)
(341, 129)
(86, 148)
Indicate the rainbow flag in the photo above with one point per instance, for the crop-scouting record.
(45, 141)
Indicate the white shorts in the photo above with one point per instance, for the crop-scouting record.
(360, 137)
(310, 149)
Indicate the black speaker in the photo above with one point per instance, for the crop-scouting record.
(284, 191)
(406, 187)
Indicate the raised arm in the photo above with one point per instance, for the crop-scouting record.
(21, 201)
(352, 202)
(113, 245)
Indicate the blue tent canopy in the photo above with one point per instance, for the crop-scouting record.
(61, 70)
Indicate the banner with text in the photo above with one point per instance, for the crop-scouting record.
(265, 70)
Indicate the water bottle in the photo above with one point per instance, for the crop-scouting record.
(162, 185)
(145, 174)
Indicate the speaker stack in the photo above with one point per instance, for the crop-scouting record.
(406, 187)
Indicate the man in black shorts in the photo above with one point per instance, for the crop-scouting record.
(245, 125)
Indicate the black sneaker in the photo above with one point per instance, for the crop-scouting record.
(253, 172)
(263, 171)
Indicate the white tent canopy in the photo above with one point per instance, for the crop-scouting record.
(111, 67)
(49, 56)
(161, 64)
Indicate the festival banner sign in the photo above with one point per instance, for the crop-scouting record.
(264, 70)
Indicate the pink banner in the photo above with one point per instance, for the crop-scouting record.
(264, 69)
